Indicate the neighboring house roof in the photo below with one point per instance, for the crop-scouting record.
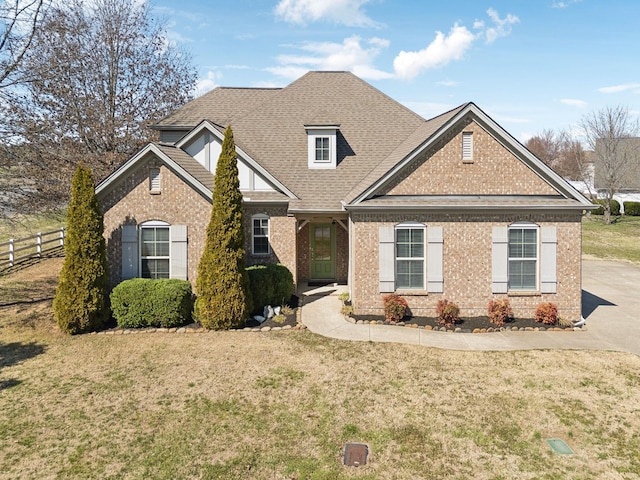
(376, 139)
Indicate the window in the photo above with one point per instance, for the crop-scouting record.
(322, 149)
(260, 235)
(322, 144)
(154, 180)
(467, 146)
(523, 257)
(410, 257)
(154, 251)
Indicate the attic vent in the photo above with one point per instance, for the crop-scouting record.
(467, 146)
(154, 180)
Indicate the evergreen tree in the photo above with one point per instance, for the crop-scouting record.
(81, 301)
(222, 286)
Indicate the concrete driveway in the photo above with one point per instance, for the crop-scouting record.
(610, 303)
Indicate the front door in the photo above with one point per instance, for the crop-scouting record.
(323, 252)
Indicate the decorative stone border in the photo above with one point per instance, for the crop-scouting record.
(583, 328)
(193, 328)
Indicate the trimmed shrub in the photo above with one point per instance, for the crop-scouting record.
(547, 313)
(615, 207)
(632, 208)
(143, 302)
(81, 303)
(448, 312)
(395, 307)
(500, 311)
(270, 284)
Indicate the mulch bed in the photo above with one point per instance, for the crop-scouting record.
(466, 324)
(291, 319)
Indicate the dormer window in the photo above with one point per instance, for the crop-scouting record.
(322, 146)
(322, 149)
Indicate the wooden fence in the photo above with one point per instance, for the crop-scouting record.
(16, 251)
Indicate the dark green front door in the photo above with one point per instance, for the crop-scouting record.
(323, 252)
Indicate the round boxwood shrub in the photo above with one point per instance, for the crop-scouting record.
(632, 208)
(142, 302)
(270, 284)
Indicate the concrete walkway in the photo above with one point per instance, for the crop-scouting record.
(610, 304)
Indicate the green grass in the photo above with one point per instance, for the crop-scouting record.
(617, 241)
(20, 226)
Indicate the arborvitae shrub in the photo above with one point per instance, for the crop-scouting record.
(222, 285)
(270, 284)
(448, 312)
(547, 313)
(500, 311)
(632, 208)
(142, 302)
(81, 301)
(395, 307)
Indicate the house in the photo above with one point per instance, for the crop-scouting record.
(343, 184)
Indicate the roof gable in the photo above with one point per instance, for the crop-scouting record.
(418, 173)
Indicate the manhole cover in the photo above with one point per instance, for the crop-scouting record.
(559, 446)
(355, 454)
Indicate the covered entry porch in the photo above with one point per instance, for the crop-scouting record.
(322, 244)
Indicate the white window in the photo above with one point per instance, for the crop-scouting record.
(523, 257)
(260, 235)
(467, 146)
(154, 250)
(154, 180)
(322, 150)
(410, 256)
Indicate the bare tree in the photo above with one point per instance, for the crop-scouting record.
(608, 132)
(103, 71)
(557, 150)
(19, 22)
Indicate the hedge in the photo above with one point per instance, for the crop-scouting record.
(142, 302)
(270, 284)
(615, 207)
(632, 208)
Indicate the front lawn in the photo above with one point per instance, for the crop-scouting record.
(282, 405)
(618, 241)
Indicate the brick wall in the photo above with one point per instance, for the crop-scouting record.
(467, 263)
(129, 201)
(494, 170)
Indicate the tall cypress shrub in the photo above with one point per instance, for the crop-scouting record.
(222, 285)
(81, 301)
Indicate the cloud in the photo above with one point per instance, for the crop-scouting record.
(345, 12)
(203, 85)
(448, 83)
(564, 4)
(634, 87)
(350, 55)
(572, 102)
(446, 48)
(442, 50)
(501, 26)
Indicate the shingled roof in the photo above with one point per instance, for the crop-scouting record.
(269, 125)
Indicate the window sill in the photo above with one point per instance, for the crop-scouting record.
(524, 293)
(412, 293)
(467, 162)
(155, 192)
